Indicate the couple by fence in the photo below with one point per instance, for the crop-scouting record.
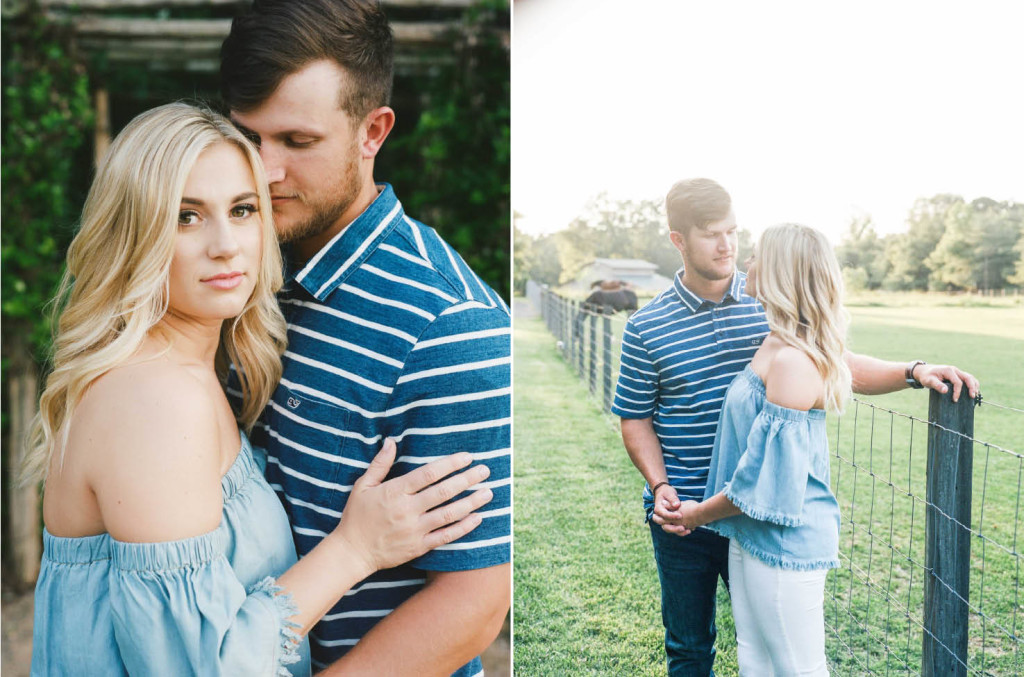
(899, 603)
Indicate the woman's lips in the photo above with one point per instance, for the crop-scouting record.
(225, 280)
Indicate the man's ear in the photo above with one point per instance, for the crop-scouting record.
(677, 241)
(376, 126)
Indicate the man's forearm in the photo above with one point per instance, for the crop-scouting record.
(436, 631)
(644, 449)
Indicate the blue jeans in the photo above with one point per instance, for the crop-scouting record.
(689, 567)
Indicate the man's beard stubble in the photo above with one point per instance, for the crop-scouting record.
(325, 214)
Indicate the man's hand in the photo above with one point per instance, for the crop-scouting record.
(933, 375)
(666, 511)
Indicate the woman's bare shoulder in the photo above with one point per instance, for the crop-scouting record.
(793, 381)
(149, 431)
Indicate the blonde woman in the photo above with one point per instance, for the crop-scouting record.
(165, 550)
(768, 484)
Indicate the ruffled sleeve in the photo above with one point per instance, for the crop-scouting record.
(772, 473)
(179, 609)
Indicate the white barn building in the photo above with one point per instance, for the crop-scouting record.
(641, 274)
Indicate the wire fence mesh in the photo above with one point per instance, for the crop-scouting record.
(929, 542)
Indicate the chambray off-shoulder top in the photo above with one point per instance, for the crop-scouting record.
(772, 463)
(199, 606)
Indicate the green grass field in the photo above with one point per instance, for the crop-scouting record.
(877, 606)
(586, 595)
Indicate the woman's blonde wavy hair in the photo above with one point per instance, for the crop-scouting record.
(800, 285)
(115, 287)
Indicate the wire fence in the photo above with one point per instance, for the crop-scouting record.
(929, 542)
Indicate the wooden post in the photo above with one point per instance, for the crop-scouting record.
(573, 335)
(565, 329)
(948, 534)
(556, 306)
(606, 353)
(593, 352)
(579, 345)
(22, 502)
(101, 137)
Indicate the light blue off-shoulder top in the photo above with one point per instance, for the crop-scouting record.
(772, 463)
(198, 606)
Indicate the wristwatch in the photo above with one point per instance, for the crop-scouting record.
(909, 374)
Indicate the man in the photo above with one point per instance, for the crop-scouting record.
(390, 334)
(679, 354)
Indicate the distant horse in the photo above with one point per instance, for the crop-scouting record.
(610, 297)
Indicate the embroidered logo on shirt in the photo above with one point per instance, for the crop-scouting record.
(293, 403)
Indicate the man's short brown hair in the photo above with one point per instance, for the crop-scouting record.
(276, 38)
(694, 203)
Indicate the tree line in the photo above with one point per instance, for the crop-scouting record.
(950, 245)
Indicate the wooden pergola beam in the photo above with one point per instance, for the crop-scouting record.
(111, 5)
(123, 29)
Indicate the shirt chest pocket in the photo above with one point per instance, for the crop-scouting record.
(306, 442)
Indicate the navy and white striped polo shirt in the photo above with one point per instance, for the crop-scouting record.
(390, 334)
(679, 354)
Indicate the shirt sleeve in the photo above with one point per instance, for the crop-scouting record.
(179, 609)
(454, 394)
(771, 475)
(636, 393)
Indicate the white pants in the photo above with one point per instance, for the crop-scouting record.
(779, 615)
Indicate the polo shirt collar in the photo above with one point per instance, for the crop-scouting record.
(340, 257)
(739, 282)
(694, 302)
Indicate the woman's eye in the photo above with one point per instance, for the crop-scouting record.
(188, 218)
(242, 211)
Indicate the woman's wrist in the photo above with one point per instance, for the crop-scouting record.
(348, 554)
(699, 518)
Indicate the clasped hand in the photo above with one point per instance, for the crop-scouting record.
(674, 516)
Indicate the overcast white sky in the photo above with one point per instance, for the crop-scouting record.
(805, 111)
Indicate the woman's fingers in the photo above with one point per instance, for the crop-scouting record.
(422, 477)
(453, 532)
(450, 488)
(677, 529)
(380, 465)
(671, 526)
(456, 510)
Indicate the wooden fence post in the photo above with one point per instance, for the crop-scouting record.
(593, 352)
(576, 332)
(948, 534)
(581, 319)
(556, 317)
(566, 329)
(607, 366)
